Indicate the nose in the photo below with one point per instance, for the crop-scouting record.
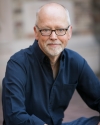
(53, 35)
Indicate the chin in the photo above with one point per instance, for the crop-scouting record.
(54, 53)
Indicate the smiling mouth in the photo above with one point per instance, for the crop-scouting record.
(53, 45)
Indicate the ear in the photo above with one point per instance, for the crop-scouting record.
(35, 33)
(69, 32)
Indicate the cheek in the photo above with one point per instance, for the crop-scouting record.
(42, 38)
(42, 41)
(64, 41)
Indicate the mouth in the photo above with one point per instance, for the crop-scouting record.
(53, 45)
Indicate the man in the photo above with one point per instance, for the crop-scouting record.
(40, 80)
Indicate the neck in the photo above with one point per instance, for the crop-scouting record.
(54, 65)
(54, 61)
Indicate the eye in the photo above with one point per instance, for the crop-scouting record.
(60, 30)
(45, 30)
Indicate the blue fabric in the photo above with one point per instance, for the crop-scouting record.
(31, 96)
(84, 121)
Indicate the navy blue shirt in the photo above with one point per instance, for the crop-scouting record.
(31, 96)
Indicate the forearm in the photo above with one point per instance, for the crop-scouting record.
(30, 120)
(15, 112)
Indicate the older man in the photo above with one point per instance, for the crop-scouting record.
(40, 80)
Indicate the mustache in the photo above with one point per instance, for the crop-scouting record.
(53, 42)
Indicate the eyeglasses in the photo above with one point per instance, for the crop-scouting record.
(48, 32)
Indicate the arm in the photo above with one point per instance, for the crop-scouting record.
(89, 87)
(13, 96)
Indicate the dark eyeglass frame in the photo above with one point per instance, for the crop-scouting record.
(53, 31)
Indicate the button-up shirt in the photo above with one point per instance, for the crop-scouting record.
(31, 96)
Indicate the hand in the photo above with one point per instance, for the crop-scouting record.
(99, 123)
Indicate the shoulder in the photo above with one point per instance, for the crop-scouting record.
(19, 56)
(73, 56)
(75, 61)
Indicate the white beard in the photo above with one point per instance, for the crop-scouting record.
(53, 51)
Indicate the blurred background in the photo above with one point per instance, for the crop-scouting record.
(17, 18)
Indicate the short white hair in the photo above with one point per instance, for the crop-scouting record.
(68, 17)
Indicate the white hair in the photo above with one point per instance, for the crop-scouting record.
(68, 17)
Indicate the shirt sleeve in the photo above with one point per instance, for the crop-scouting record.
(13, 97)
(89, 87)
